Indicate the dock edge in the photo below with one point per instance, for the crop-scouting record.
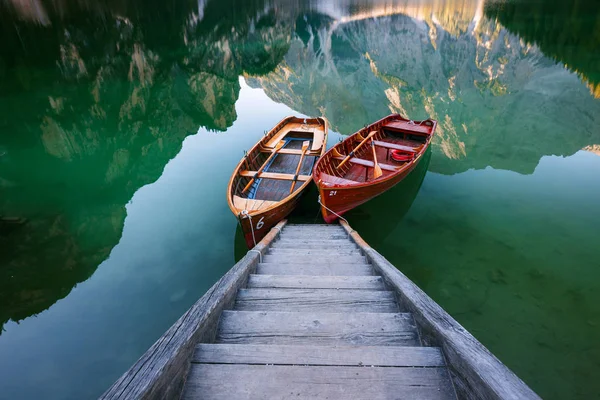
(476, 372)
(161, 371)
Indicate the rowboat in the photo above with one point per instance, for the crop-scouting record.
(370, 162)
(269, 180)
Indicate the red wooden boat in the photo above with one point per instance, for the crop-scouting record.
(361, 167)
(267, 183)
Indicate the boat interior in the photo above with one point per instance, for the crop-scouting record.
(393, 144)
(280, 165)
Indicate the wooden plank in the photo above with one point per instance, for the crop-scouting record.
(378, 356)
(289, 128)
(321, 225)
(291, 244)
(312, 227)
(406, 126)
(251, 204)
(315, 252)
(320, 231)
(315, 236)
(367, 163)
(395, 146)
(315, 282)
(223, 381)
(295, 152)
(316, 300)
(315, 269)
(161, 371)
(476, 372)
(275, 175)
(272, 327)
(290, 259)
(318, 140)
(311, 241)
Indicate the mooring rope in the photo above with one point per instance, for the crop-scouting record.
(331, 211)
(245, 212)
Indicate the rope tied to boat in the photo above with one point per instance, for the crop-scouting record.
(331, 211)
(245, 213)
(411, 122)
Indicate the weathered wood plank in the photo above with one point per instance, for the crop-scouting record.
(222, 381)
(161, 371)
(330, 259)
(316, 300)
(311, 228)
(378, 356)
(317, 244)
(315, 236)
(320, 252)
(314, 225)
(271, 327)
(274, 175)
(292, 227)
(316, 282)
(315, 269)
(476, 372)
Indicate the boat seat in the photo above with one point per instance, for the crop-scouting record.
(251, 204)
(367, 163)
(297, 152)
(274, 175)
(298, 130)
(394, 146)
(408, 127)
(335, 180)
(318, 139)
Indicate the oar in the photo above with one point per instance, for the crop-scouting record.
(304, 148)
(273, 153)
(349, 156)
(377, 172)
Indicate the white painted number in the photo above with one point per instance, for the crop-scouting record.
(260, 223)
(332, 193)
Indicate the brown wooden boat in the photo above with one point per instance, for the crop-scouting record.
(268, 181)
(370, 162)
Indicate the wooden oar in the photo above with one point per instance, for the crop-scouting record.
(304, 148)
(349, 156)
(377, 172)
(273, 153)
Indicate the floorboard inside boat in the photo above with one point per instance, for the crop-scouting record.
(360, 173)
(275, 189)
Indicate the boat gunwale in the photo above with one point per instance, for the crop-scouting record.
(323, 184)
(322, 122)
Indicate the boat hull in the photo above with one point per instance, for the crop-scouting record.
(343, 188)
(339, 200)
(256, 226)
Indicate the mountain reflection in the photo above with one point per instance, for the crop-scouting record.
(96, 97)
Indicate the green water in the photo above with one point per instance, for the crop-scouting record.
(120, 123)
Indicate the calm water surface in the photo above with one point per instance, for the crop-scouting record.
(120, 123)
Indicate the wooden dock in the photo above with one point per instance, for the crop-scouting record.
(314, 312)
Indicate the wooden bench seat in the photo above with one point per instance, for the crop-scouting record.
(367, 163)
(336, 180)
(393, 146)
(407, 127)
(293, 152)
(274, 175)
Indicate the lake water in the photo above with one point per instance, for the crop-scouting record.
(121, 122)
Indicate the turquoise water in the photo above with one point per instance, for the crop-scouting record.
(121, 123)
